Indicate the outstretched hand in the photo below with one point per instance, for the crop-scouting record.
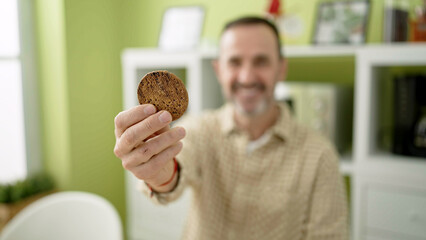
(146, 144)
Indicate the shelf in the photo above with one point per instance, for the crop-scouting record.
(344, 50)
(320, 51)
(372, 165)
(385, 163)
(390, 157)
(365, 163)
(293, 51)
(302, 51)
(369, 61)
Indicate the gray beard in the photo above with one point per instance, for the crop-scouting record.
(260, 108)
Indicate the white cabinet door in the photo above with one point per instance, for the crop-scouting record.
(147, 220)
(399, 210)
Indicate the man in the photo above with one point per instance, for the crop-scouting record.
(254, 172)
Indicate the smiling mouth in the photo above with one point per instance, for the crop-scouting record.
(248, 89)
(248, 92)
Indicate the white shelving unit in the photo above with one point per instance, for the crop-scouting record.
(389, 200)
(375, 174)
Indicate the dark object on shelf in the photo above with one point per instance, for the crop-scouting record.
(410, 115)
(396, 25)
(418, 25)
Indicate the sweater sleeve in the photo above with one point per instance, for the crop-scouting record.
(188, 160)
(328, 218)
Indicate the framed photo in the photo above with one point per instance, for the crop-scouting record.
(181, 28)
(341, 22)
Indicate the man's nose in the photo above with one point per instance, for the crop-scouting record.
(246, 74)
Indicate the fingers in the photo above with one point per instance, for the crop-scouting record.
(164, 129)
(132, 116)
(137, 133)
(144, 141)
(150, 169)
(153, 147)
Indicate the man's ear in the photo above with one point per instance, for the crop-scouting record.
(283, 69)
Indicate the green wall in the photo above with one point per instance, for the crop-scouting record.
(79, 45)
(79, 72)
(143, 18)
(53, 90)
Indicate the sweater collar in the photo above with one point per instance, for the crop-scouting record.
(281, 129)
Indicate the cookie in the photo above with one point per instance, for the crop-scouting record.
(165, 91)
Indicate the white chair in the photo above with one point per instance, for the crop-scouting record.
(66, 216)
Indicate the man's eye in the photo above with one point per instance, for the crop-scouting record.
(261, 62)
(234, 63)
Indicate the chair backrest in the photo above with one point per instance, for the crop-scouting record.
(66, 216)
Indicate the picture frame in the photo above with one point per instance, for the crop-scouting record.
(341, 23)
(181, 28)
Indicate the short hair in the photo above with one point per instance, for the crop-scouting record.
(254, 20)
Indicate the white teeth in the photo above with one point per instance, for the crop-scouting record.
(248, 92)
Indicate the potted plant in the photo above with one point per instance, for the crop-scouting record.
(15, 196)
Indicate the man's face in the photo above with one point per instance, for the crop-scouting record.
(248, 67)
